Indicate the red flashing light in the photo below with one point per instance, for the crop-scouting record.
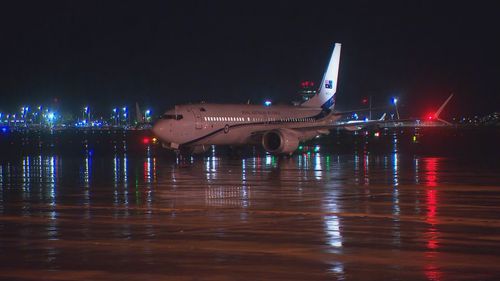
(306, 84)
(145, 140)
(364, 100)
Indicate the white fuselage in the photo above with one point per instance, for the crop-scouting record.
(235, 124)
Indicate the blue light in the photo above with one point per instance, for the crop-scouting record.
(268, 103)
(5, 129)
(394, 100)
(51, 116)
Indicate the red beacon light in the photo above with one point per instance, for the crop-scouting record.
(145, 140)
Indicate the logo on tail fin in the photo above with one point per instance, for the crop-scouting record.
(325, 97)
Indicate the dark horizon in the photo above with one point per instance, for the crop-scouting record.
(160, 54)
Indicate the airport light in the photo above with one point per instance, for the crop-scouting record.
(268, 102)
(51, 116)
(395, 102)
(86, 111)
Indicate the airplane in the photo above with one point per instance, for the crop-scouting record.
(193, 128)
(432, 120)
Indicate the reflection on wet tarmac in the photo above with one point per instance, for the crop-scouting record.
(313, 216)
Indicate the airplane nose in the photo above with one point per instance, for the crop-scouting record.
(159, 128)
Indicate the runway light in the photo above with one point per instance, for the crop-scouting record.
(268, 103)
(376, 134)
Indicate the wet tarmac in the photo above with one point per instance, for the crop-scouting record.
(318, 215)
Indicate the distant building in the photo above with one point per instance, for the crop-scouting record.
(307, 90)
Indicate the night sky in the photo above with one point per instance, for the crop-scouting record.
(161, 53)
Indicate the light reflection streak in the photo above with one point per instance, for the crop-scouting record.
(211, 164)
(395, 190)
(125, 181)
(237, 196)
(116, 164)
(356, 167)
(268, 159)
(243, 171)
(86, 180)
(26, 176)
(318, 170)
(432, 234)
(149, 176)
(366, 169)
(417, 167)
(332, 226)
(147, 170)
(51, 179)
(120, 179)
(396, 209)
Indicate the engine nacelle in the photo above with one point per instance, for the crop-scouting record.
(280, 141)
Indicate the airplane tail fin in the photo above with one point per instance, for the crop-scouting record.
(325, 98)
(438, 112)
(382, 118)
(138, 113)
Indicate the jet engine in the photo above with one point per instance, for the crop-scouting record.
(280, 141)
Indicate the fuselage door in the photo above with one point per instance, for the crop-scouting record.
(197, 118)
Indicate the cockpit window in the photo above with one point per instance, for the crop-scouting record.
(171, 116)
